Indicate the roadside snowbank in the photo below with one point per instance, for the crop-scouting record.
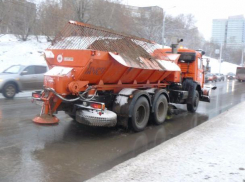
(212, 151)
(225, 68)
(14, 51)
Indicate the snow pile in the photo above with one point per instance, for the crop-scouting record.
(225, 68)
(15, 51)
(212, 151)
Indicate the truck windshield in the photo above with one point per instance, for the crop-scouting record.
(240, 71)
(13, 69)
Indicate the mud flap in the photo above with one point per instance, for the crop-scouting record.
(172, 110)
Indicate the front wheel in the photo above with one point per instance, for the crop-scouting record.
(161, 110)
(195, 101)
(141, 113)
(9, 90)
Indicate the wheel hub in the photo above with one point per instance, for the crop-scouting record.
(10, 91)
(140, 114)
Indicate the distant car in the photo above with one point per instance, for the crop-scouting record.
(220, 77)
(230, 76)
(210, 77)
(18, 78)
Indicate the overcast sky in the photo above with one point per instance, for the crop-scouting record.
(203, 10)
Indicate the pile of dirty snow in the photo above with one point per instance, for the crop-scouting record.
(15, 51)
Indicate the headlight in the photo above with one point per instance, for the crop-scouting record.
(1, 80)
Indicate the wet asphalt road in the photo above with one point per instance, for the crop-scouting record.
(73, 152)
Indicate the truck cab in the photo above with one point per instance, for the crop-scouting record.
(190, 63)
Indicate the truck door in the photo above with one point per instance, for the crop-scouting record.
(200, 72)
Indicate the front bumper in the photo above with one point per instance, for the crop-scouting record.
(205, 93)
(92, 118)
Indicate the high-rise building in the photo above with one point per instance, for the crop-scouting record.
(235, 30)
(219, 31)
(229, 32)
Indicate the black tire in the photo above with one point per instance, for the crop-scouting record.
(195, 101)
(9, 90)
(161, 110)
(141, 113)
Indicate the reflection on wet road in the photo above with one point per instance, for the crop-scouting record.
(73, 152)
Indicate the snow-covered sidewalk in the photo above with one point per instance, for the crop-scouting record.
(212, 151)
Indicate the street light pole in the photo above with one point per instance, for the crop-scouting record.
(242, 55)
(163, 26)
(220, 56)
(163, 29)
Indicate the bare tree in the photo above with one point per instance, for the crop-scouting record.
(183, 26)
(17, 17)
(6, 16)
(148, 24)
(112, 15)
(79, 10)
(25, 19)
(51, 19)
(142, 22)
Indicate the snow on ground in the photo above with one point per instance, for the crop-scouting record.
(225, 68)
(212, 151)
(15, 51)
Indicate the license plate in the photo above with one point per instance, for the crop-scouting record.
(40, 103)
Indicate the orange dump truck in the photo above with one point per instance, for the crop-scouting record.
(104, 78)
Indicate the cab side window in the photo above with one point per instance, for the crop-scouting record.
(40, 69)
(29, 70)
(199, 63)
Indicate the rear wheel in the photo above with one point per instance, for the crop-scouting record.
(141, 113)
(195, 101)
(161, 109)
(9, 90)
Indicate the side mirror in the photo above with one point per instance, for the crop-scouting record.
(201, 51)
(214, 88)
(23, 73)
